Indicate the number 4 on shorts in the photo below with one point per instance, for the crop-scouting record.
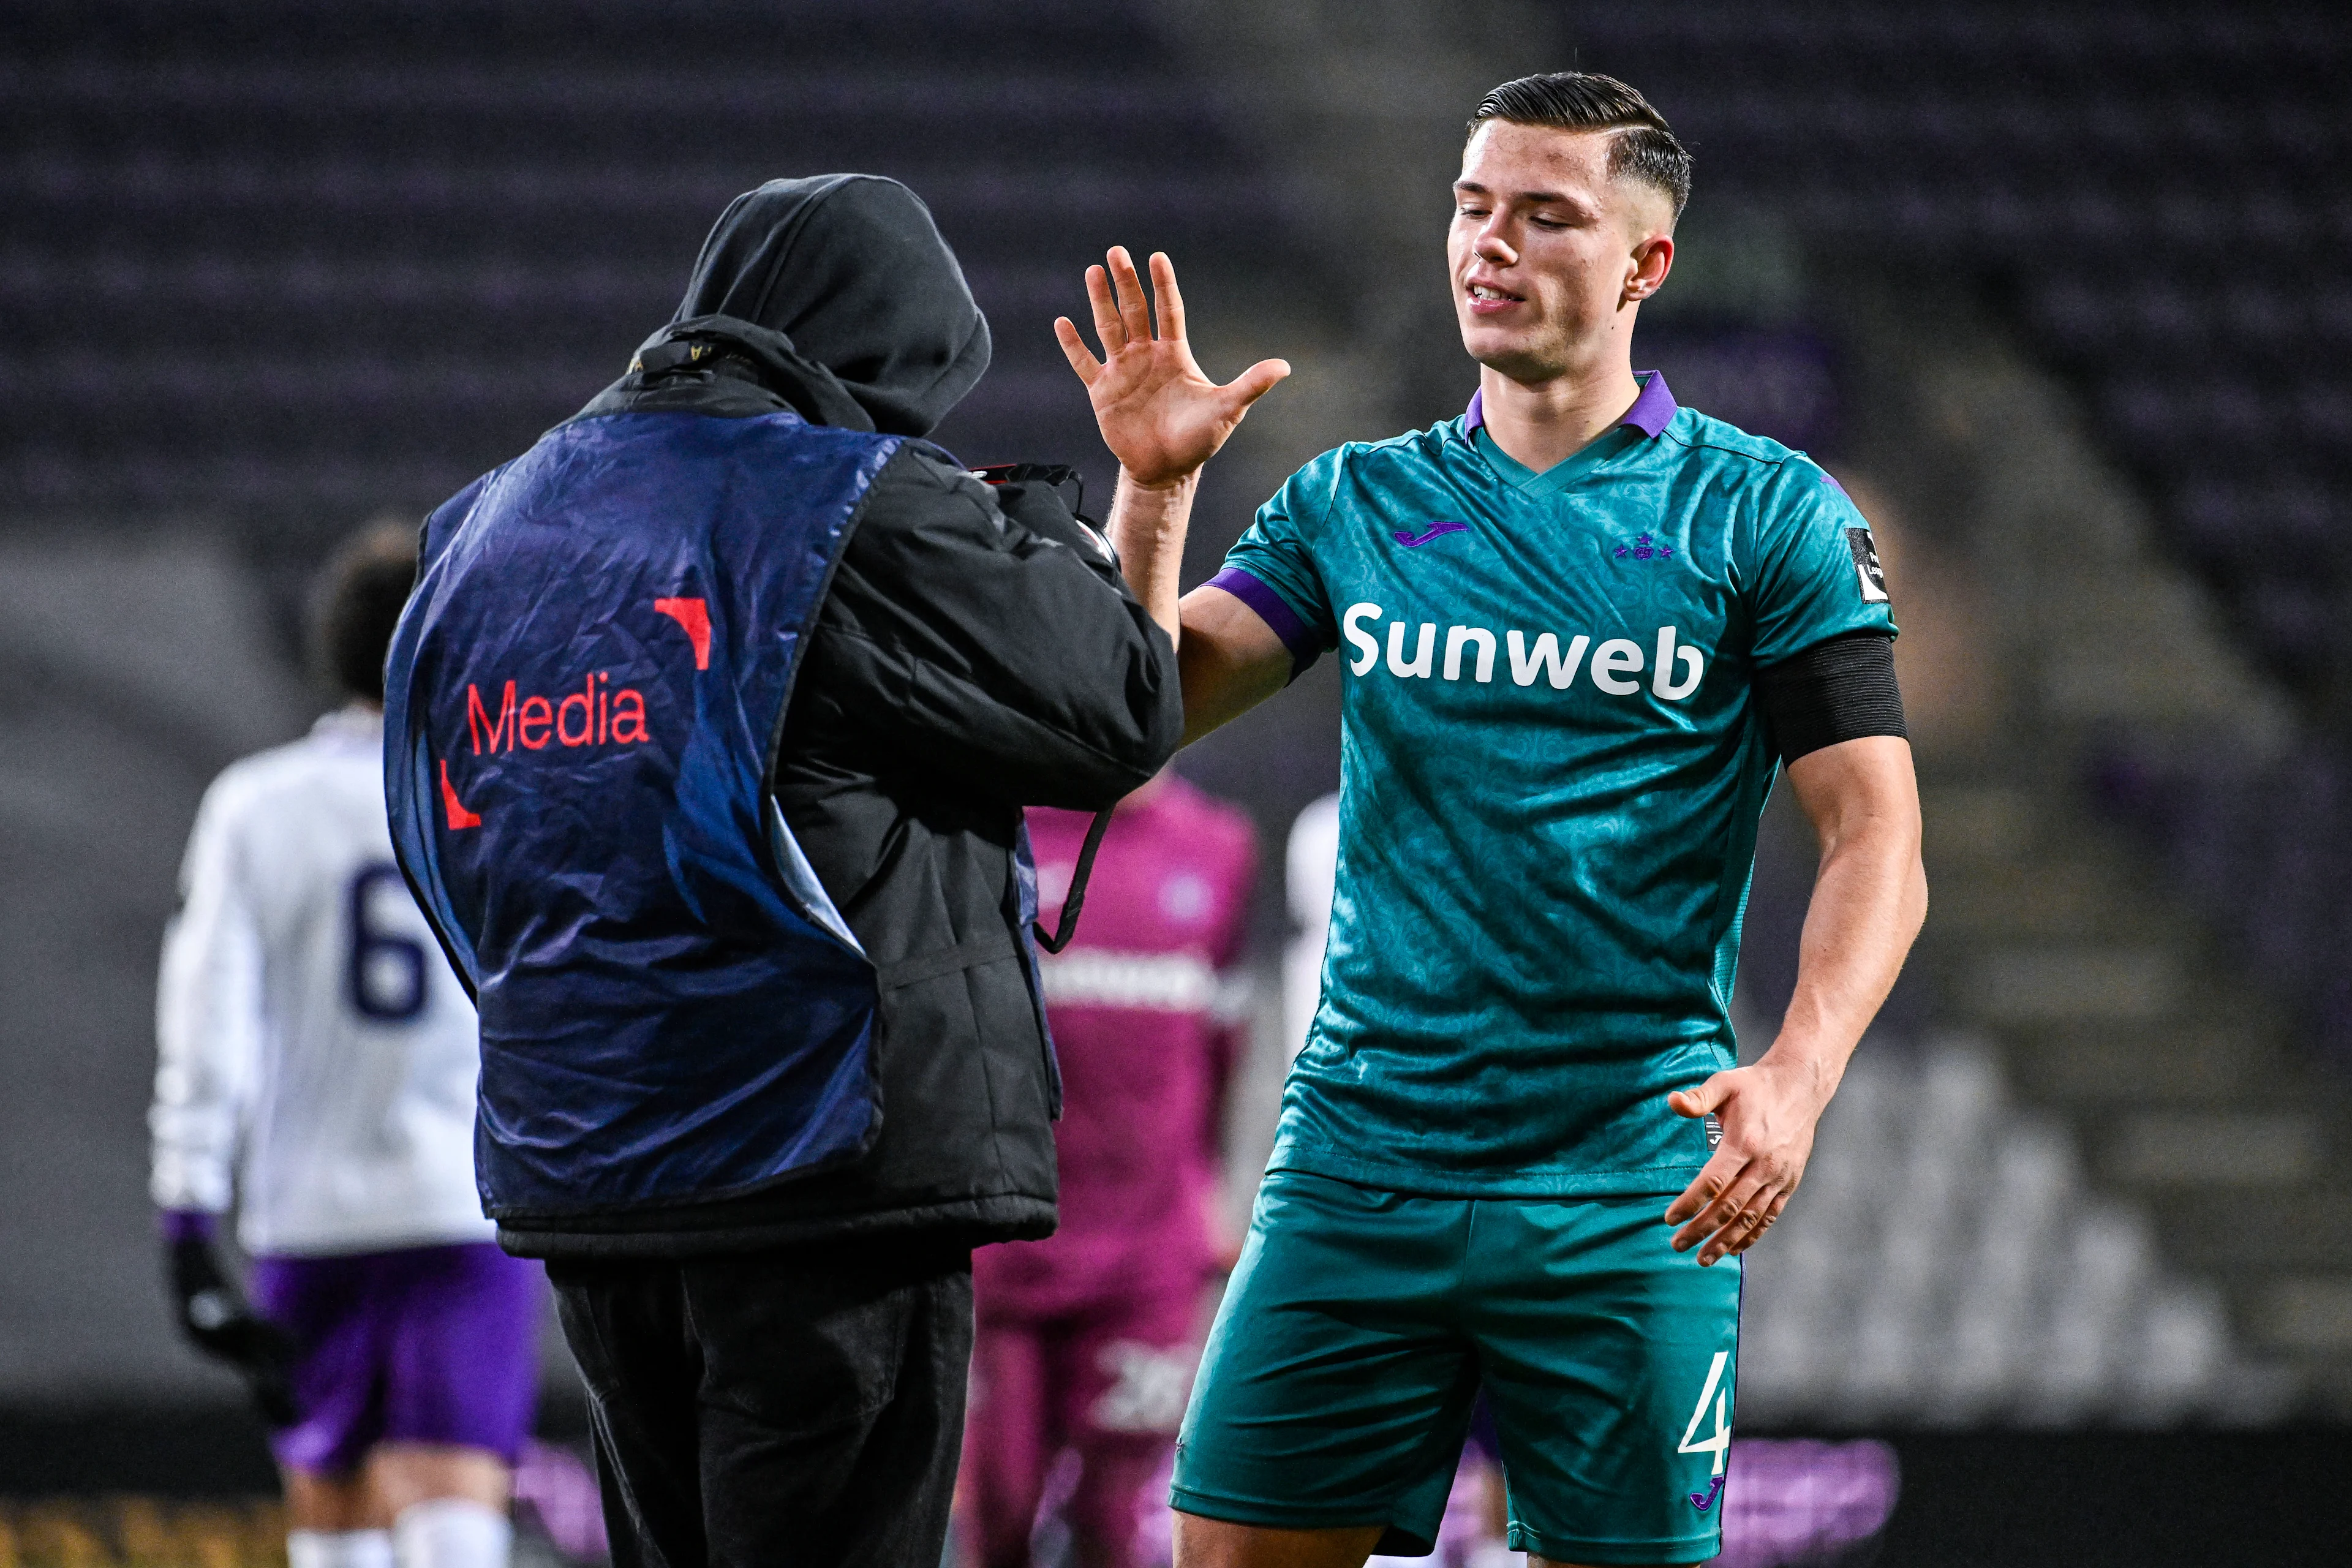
(1721, 1440)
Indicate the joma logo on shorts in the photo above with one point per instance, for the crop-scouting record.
(1615, 664)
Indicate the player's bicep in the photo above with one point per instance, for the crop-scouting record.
(1858, 787)
(210, 947)
(1231, 659)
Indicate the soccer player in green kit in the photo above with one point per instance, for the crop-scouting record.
(1583, 628)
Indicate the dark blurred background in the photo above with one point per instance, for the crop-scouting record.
(2062, 292)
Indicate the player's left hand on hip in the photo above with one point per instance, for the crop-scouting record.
(1160, 416)
(1769, 1113)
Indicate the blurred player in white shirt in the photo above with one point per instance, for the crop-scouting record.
(318, 1065)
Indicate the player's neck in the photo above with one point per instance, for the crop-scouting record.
(1540, 425)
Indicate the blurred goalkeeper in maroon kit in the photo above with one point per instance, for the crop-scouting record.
(1088, 1342)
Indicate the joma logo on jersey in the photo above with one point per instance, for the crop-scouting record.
(1615, 665)
(1413, 541)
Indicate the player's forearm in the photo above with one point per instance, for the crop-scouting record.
(1869, 900)
(1147, 524)
(1229, 660)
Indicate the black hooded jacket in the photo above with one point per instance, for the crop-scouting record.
(966, 663)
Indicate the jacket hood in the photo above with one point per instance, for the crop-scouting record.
(840, 289)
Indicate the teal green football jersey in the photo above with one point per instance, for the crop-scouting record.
(1552, 767)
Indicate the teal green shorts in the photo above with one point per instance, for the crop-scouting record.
(1361, 1324)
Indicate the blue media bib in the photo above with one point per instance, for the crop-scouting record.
(582, 705)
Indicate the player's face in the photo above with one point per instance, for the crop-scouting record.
(1548, 253)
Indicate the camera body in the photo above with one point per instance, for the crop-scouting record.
(1030, 494)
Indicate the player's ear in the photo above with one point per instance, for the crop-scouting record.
(1652, 258)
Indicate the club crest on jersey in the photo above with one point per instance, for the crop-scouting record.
(1644, 549)
(1616, 664)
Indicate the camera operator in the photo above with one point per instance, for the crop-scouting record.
(708, 730)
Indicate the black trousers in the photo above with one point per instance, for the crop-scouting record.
(775, 1409)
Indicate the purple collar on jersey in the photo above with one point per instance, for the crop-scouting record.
(1651, 413)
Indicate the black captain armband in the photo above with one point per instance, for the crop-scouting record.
(1841, 690)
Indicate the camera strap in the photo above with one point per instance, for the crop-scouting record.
(1077, 897)
(1054, 475)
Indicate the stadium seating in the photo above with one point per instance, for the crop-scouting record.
(2046, 621)
(1951, 1265)
(291, 266)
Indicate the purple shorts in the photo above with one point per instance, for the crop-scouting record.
(426, 1344)
(1110, 1382)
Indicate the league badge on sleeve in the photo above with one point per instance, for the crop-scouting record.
(1866, 570)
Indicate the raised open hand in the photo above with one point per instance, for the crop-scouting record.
(1160, 417)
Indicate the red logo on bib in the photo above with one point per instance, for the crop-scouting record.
(694, 614)
(459, 815)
